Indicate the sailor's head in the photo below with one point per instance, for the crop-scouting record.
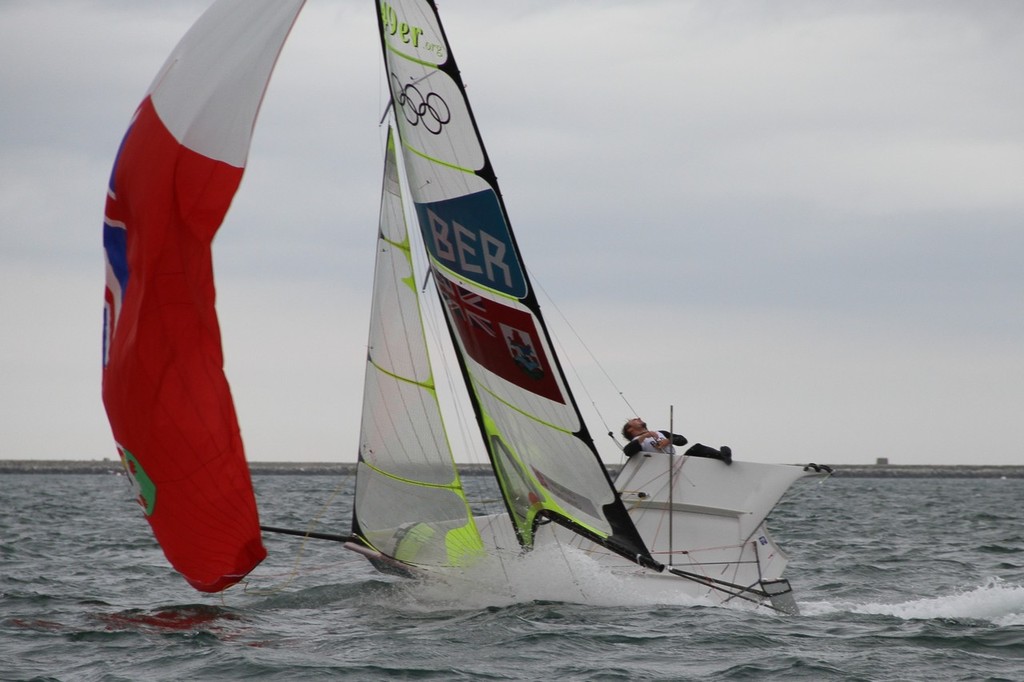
(634, 427)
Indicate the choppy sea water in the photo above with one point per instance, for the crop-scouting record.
(897, 579)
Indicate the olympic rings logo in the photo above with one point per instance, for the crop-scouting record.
(432, 110)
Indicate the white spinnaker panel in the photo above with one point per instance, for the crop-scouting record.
(409, 501)
(238, 41)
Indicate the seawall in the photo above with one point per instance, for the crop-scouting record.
(111, 466)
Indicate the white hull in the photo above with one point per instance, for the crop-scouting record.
(710, 532)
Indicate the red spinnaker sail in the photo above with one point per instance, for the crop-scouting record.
(164, 387)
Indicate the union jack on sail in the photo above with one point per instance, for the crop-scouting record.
(501, 338)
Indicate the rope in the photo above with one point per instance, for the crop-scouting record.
(294, 572)
(593, 357)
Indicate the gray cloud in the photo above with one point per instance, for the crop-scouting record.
(799, 222)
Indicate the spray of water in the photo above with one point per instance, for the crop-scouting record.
(994, 601)
(562, 574)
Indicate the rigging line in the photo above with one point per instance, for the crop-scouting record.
(306, 535)
(797, 491)
(620, 446)
(568, 566)
(390, 104)
(442, 354)
(710, 548)
(509, 584)
(600, 366)
(671, 478)
(727, 588)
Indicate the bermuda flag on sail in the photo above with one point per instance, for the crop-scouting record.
(501, 338)
(164, 388)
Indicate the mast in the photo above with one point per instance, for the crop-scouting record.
(543, 456)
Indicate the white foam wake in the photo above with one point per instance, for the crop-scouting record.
(994, 601)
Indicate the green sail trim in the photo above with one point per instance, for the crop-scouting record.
(414, 60)
(427, 384)
(517, 480)
(463, 543)
(461, 280)
(439, 162)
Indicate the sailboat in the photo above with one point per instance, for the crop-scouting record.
(682, 524)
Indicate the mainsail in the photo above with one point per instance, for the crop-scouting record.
(409, 500)
(543, 456)
(164, 388)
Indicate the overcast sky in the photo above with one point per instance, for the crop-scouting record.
(800, 223)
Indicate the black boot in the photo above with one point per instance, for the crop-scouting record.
(726, 454)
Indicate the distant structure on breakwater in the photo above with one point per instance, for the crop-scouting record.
(880, 470)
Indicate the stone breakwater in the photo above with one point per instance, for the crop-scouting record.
(111, 466)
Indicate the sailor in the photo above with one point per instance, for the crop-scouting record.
(642, 439)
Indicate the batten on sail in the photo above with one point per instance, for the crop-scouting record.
(164, 389)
